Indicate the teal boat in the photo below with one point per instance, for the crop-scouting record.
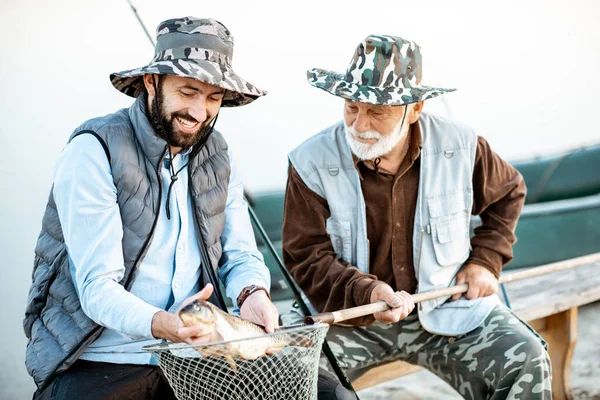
(560, 220)
(561, 217)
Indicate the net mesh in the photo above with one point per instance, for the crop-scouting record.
(204, 371)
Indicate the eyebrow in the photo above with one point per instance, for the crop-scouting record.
(383, 109)
(195, 89)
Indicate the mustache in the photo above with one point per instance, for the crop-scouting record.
(364, 135)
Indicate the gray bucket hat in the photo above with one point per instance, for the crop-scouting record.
(385, 70)
(190, 47)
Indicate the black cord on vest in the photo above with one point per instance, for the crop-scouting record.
(195, 151)
(173, 180)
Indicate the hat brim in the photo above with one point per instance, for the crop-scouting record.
(239, 91)
(336, 84)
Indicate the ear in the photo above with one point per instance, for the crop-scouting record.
(149, 85)
(415, 112)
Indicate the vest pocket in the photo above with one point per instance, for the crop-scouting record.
(460, 303)
(449, 231)
(340, 234)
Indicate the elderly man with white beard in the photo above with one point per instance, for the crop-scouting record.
(378, 207)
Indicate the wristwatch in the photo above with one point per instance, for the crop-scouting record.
(247, 291)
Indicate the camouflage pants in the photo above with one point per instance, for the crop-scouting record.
(501, 359)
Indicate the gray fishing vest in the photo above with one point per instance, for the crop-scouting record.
(441, 242)
(57, 328)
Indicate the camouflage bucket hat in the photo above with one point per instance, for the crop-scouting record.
(194, 48)
(385, 70)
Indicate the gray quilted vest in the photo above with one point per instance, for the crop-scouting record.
(57, 328)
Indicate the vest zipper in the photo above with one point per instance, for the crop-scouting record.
(212, 278)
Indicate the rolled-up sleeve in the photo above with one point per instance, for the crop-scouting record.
(86, 200)
(241, 264)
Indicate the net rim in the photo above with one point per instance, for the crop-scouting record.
(167, 345)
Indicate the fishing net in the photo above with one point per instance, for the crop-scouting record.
(204, 371)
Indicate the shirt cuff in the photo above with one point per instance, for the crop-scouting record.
(139, 324)
(362, 290)
(488, 259)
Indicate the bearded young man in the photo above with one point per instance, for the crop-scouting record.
(378, 207)
(146, 213)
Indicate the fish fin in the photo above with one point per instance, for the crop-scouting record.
(303, 342)
(231, 362)
(273, 350)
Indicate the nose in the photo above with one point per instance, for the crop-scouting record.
(199, 110)
(361, 122)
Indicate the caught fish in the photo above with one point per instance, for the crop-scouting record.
(224, 327)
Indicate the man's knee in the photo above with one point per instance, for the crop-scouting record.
(532, 345)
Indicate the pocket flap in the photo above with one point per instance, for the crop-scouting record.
(447, 204)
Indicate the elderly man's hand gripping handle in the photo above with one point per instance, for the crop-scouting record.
(480, 280)
(401, 303)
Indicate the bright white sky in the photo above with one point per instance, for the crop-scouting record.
(526, 71)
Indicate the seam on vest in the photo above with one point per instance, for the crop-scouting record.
(209, 159)
(102, 142)
(49, 206)
(210, 189)
(48, 265)
(53, 238)
(130, 230)
(60, 304)
(214, 216)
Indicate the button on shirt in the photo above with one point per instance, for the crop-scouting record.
(86, 199)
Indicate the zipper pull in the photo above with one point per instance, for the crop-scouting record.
(428, 229)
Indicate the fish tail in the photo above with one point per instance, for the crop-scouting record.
(231, 362)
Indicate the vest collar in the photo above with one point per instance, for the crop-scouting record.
(153, 146)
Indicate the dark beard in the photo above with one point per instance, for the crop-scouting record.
(164, 126)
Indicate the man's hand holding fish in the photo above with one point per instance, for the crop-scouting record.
(257, 308)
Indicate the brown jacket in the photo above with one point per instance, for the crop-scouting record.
(332, 284)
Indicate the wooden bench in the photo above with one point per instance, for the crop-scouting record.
(549, 304)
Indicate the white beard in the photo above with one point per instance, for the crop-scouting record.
(383, 145)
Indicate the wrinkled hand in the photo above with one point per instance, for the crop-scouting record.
(481, 282)
(169, 326)
(258, 308)
(401, 303)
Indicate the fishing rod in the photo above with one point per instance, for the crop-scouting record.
(300, 301)
(361, 311)
(141, 22)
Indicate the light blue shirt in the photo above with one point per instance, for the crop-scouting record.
(86, 200)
